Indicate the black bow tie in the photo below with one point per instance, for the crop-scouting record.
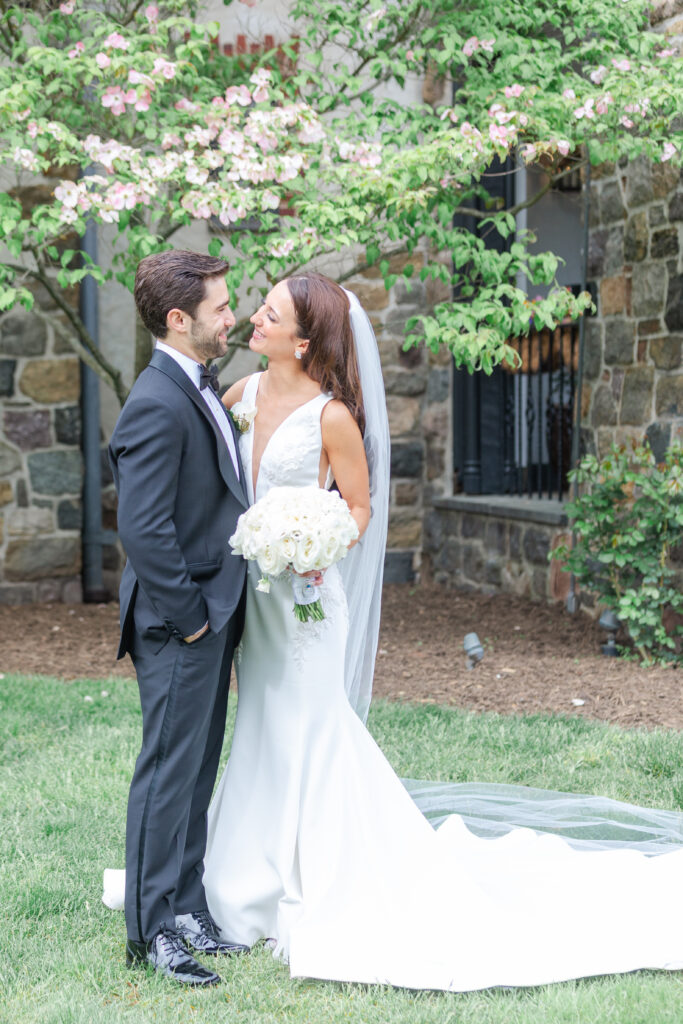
(208, 378)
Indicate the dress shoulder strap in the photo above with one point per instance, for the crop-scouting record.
(322, 400)
(251, 387)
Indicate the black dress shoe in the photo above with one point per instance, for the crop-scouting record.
(200, 931)
(167, 953)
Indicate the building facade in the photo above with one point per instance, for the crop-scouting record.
(478, 464)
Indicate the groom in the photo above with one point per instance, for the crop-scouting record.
(176, 467)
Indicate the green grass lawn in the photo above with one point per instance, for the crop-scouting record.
(64, 772)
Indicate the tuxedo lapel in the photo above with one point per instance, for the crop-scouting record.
(163, 362)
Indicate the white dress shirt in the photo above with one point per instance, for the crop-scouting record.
(193, 370)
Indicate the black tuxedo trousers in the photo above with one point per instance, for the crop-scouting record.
(179, 501)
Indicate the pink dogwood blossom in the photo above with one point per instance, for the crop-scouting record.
(668, 150)
(196, 175)
(282, 247)
(238, 94)
(102, 60)
(311, 132)
(164, 67)
(604, 103)
(186, 105)
(621, 65)
(374, 19)
(138, 78)
(170, 140)
(116, 41)
(66, 193)
(269, 201)
(143, 101)
(115, 98)
(586, 110)
(598, 76)
(67, 8)
(78, 48)
(514, 90)
(26, 159)
(498, 133)
(261, 80)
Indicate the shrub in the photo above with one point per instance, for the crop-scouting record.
(627, 521)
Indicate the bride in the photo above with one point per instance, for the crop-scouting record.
(314, 844)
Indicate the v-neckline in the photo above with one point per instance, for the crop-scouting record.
(254, 479)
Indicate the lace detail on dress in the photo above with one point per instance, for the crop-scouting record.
(307, 635)
(288, 452)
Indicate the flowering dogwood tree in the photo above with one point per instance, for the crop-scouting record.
(171, 131)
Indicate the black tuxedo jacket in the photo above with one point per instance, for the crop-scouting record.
(179, 501)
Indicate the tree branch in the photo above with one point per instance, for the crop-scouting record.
(81, 341)
(514, 210)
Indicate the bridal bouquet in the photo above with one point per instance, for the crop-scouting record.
(296, 529)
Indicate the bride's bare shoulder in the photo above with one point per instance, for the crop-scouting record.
(234, 393)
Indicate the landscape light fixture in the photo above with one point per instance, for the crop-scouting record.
(473, 649)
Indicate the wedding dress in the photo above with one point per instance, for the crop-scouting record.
(315, 844)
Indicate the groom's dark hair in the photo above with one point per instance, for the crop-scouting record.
(172, 280)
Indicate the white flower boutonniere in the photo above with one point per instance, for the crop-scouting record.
(243, 416)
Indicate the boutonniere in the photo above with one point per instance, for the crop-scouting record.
(243, 416)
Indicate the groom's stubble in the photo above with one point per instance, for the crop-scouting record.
(206, 343)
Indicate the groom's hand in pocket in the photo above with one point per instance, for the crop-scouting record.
(194, 637)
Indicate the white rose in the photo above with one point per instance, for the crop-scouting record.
(308, 554)
(288, 548)
(270, 561)
(333, 550)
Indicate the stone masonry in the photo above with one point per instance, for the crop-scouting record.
(418, 390)
(40, 460)
(633, 371)
(496, 544)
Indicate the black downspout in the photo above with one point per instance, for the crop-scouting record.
(93, 586)
(572, 602)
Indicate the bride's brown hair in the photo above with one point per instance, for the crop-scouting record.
(321, 309)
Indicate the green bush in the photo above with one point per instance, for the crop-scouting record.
(627, 521)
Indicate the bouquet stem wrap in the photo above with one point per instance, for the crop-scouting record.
(307, 604)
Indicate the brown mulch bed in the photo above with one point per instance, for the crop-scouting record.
(537, 657)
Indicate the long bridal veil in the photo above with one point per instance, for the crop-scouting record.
(362, 569)
(487, 809)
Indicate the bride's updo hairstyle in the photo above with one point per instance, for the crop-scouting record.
(321, 309)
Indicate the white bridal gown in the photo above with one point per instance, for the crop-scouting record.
(315, 843)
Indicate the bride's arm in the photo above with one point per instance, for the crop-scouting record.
(343, 444)
(234, 393)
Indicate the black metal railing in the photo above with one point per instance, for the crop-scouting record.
(539, 414)
(513, 430)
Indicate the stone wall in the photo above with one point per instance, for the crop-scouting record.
(40, 460)
(633, 373)
(496, 544)
(418, 389)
